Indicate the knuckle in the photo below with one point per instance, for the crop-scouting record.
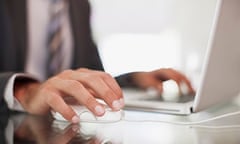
(91, 78)
(46, 88)
(103, 74)
(107, 75)
(66, 72)
(52, 80)
(73, 85)
(82, 69)
(52, 98)
(89, 100)
(88, 76)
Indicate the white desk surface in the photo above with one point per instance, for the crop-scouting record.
(154, 128)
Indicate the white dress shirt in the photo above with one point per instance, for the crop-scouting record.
(38, 18)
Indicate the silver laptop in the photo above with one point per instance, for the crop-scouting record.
(220, 78)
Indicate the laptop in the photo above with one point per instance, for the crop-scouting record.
(220, 79)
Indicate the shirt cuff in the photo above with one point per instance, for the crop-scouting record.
(12, 102)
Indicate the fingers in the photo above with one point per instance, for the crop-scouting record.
(84, 86)
(100, 85)
(107, 78)
(179, 78)
(56, 102)
(104, 87)
(176, 76)
(159, 87)
(80, 93)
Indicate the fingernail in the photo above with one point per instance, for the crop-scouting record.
(122, 102)
(99, 110)
(116, 104)
(75, 119)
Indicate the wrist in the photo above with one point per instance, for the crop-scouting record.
(22, 88)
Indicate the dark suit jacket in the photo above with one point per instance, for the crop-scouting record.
(14, 39)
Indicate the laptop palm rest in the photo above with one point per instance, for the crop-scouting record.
(180, 104)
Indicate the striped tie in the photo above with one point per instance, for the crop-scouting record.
(54, 38)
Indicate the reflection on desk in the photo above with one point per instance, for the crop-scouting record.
(23, 128)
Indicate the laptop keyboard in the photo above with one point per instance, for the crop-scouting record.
(176, 99)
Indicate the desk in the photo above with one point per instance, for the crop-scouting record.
(135, 128)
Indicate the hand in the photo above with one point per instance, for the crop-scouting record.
(84, 85)
(156, 78)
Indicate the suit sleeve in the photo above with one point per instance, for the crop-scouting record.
(126, 80)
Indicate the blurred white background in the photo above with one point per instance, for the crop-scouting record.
(142, 35)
